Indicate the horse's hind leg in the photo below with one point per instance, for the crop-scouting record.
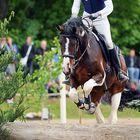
(98, 114)
(115, 101)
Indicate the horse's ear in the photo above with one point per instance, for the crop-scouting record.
(60, 28)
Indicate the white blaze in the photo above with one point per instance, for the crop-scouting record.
(67, 47)
(66, 60)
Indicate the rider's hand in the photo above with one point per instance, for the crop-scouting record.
(96, 15)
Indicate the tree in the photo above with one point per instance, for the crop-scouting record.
(125, 23)
(3, 8)
(9, 86)
(40, 18)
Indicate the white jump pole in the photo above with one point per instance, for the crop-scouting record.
(63, 117)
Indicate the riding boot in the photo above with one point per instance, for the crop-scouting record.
(67, 81)
(116, 64)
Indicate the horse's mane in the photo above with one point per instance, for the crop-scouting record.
(71, 23)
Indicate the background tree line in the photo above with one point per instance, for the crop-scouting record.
(40, 17)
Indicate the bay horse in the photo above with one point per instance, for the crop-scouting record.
(86, 66)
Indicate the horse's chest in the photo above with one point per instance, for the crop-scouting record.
(82, 75)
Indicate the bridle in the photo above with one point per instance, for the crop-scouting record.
(72, 56)
(77, 48)
(75, 56)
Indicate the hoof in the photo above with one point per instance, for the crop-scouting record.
(91, 108)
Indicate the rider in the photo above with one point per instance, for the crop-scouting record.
(100, 9)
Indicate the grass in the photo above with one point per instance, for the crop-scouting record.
(35, 104)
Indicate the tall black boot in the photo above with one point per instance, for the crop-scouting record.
(116, 64)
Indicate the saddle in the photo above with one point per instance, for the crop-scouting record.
(104, 47)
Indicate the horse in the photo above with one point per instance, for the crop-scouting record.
(84, 62)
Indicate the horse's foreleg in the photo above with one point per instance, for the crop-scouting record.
(73, 95)
(97, 80)
(115, 101)
(98, 114)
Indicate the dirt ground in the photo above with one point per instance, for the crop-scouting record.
(126, 129)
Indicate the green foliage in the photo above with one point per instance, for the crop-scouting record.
(4, 133)
(48, 71)
(4, 24)
(4, 61)
(125, 23)
(9, 86)
(40, 18)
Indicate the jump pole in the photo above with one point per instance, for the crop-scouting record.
(63, 117)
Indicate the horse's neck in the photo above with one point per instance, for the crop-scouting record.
(84, 43)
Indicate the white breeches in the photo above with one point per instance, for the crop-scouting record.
(102, 25)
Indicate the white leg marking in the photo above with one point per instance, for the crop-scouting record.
(98, 114)
(66, 60)
(115, 101)
(80, 93)
(90, 84)
(73, 95)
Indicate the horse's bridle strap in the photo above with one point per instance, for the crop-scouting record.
(68, 55)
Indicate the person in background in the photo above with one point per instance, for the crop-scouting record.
(11, 69)
(43, 48)
(133, 86)
(28, 50)
(138, 61)
(133, 66)
(2, 45)
(12, 48)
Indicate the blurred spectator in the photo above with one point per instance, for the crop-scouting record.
(43, 48)
(133, 93)
(28, 54)
(12, 48)
(2, 45)
(134, 89)
(133, 65)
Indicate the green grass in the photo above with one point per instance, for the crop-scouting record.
(35, 104)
